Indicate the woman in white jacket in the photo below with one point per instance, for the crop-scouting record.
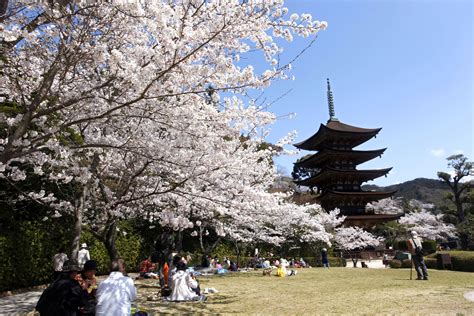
(182, 285)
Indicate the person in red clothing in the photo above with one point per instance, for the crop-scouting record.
(147, 269)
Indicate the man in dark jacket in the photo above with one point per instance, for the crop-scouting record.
(63, 297)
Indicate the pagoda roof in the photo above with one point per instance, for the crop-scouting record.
(327, 154)
(365, 196)
(334, 127)
(329, 173)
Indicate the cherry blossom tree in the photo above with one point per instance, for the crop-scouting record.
(124, 102)
(428, 225)
(354, 238)
(419, 216)
(386, 206)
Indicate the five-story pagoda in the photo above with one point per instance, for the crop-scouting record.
(333, 169)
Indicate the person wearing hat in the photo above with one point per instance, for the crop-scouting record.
(416, 250)
(63, 297)
(88, 283)
(58, 262)
(83, 255)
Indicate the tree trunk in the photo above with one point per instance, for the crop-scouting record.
(206, 250)
(464, 238)
(179, 242)
(354, 262)
(3, 9)
(237, 252)
(78, 212)
(459, 209)
(109, 241)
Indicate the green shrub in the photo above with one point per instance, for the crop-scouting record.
(429, 246)
(337, 262)
(128, 246)
(463, 263)
(431, 263)
(27, 248)
(26, 252)
(402, 245)
(395, 264)
(461, 260)
(333, 261)
(406, 263)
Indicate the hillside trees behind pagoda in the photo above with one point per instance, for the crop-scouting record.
(114, 99)
(461, 195)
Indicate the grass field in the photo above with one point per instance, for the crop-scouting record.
(319, 291)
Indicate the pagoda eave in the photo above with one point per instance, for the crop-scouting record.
(331, 173)
(368, 220)
(358, 195)
(336, 129)
(321, 157)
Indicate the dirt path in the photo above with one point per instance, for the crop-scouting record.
(19, 304)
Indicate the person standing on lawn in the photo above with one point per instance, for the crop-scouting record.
(324, 258)
(416, 250)
(58, 262)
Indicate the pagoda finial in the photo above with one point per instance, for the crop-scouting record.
(332, 114)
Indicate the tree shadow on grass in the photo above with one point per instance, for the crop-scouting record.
(214, 304)
(19, 304)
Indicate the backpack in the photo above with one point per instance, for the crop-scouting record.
(418, 249)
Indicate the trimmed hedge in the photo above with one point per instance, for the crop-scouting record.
(128, 246)
(27, 249)
(431, 263)
(461, 260)
(429, 246)
(396, 264)
(333, 261)
(26, 254)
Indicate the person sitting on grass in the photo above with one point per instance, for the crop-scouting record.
(64, 296)
(282, 271)
(116, 293)
(147, 269)
(233, 266)
(184, 287)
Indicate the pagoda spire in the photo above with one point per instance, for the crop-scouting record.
(332, 113)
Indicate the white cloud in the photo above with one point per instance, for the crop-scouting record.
(438, 152)
(458, 152)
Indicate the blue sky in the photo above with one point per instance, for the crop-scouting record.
(405, 66)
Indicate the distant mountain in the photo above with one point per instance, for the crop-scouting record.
(422, 189)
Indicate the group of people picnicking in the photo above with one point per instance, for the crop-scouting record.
(76, 291)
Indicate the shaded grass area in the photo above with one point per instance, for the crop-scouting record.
(319, 291)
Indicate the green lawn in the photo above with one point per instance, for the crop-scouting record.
(319, 291)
